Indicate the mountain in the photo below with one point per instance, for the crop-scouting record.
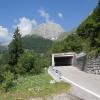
(48, 30)
(3, 48)
(65, 34)
(39, 44)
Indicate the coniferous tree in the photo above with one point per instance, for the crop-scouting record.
(15, 49)
(96, 13)
(90, 29)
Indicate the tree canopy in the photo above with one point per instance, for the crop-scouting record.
(15, 49)
(90, 29)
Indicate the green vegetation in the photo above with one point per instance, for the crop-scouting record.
(28, 63)
(19, 61)
(85, 38)
(39, 44)
(29, 87)
(89, 30)
(15, 49)
(22, 65)
(71, 44)
(4, 58)
(7, 80)
(65, 34)
(3, 49)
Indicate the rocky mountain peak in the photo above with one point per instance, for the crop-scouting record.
(48, 30)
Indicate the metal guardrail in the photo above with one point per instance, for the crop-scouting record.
(55, 73)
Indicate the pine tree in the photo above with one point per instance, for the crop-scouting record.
(96, 13)
(15, 49)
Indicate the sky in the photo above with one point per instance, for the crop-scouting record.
(28, 14)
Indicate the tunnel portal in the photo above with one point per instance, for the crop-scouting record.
(63, 61)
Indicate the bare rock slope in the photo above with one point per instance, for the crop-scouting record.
(48, 30)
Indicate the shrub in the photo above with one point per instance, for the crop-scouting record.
(7, 80)
(3, 68)
(44, 62)
(40, 63)
(4, 58)
(37, 67)
(26, 62)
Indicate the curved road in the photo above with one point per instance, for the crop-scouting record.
(86, 86)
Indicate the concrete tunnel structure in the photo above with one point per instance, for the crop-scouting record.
(63, 59)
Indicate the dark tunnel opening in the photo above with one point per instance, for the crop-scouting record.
(63, 61)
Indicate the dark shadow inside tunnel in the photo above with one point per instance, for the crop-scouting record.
(63, 61)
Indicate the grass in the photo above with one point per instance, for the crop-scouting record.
(34, 86)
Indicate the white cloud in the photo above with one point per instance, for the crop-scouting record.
(25, 25)
(5, 38)
(60, 15)
(34, 22)
(44, 15)
(3, 31)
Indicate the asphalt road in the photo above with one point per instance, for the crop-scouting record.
(86, 86)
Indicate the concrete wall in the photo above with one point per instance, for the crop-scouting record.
(93, 65)
(81, 62)
(88, 64)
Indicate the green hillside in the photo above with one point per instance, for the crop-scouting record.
(37, 43)
(65, 34)
(89, 29)
(86, 38)
(3, 48)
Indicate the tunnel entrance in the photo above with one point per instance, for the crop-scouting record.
(63, 61)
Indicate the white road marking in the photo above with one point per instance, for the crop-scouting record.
(85, 89)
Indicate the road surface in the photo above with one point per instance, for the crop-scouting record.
(85, 85)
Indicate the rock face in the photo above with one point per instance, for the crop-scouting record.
(93, 65)
(48, 30)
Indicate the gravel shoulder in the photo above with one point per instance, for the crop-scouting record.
(75, 93)
(62, 96)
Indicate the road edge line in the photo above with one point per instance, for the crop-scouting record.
(81, 87)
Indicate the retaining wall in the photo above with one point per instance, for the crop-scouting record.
(92, 65)
(88, 64)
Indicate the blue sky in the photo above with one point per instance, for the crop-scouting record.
(67, 13)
